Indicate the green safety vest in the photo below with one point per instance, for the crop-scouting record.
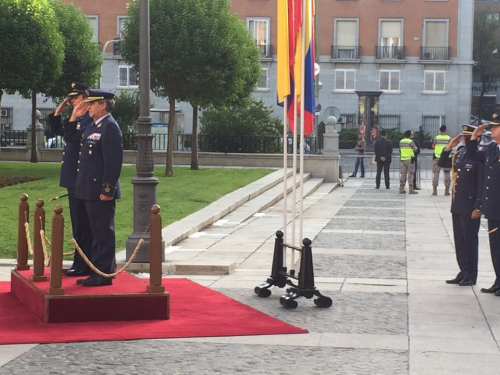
(441, 141)
(405, 149)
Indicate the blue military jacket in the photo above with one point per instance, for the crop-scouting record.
(71, 149)
(468, 176)
(100, 160)
(490, 205)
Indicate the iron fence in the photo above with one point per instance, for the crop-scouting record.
(349, 120)
(432, 123)
(390, 121)
(435, 53)
(390, 52)
(345, 52)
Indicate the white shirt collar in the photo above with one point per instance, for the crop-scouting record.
(101, 118)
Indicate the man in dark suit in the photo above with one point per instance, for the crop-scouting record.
(466, 190)
(97, 181)
(79, 222)
(490, 203)
(383, 157)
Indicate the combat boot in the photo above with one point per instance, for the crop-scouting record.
(447, 190)
(434, 190)
(402, 189)
(412, 191)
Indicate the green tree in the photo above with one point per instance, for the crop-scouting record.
(244, 127)
(198, 50)
(126, 110)
(82, 57)
(31, 50)
(486, 52)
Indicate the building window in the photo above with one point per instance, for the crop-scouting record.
(345, 80)
(94, 25)
(120, 26)
(262, 84)
(346, 39)
(259, 29)
(128, 77)
(390, 80)
(434, 81)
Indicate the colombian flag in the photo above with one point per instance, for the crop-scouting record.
(292, 65)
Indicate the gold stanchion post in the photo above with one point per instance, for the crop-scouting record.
(155, 251)
(38, 257)
(22, 243)
(57, 252)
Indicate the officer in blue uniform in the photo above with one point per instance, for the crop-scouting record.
(468, 176)
(97, 181)
(490, 204)
(79, 222)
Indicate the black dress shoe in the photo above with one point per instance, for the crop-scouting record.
(387, 187)
(96, 280)
(456, 280)
(466, 283)
(376, 187)
(72, 272)
(497, 293)
(361, 176)
(416, 188)
(353, 175)
(491, 289)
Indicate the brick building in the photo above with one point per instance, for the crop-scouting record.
(389, 63)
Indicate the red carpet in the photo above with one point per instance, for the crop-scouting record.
(196, 311)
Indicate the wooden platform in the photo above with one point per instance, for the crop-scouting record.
(126, 299)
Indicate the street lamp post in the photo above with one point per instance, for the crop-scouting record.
(145, 182)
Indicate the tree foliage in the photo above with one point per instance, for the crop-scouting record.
(250, 117)
(486, 51)
(31, 47)
(200, 53)
(31, 50)
(82, 57)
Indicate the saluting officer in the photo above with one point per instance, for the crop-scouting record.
(79, 222)
(97, 181)
(490, 204)
(466, 190)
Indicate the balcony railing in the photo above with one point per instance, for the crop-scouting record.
(390, 52)
(435, 53)
(346, 52)
(266, 51)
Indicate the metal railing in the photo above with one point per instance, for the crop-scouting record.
(349, 120)
(424, 167)
(432, 123)
(390, 121)
(266, 51)
(182, 142)
(346, 52)
(435, 53)
(390, 52)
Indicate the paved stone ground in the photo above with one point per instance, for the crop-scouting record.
(381, 256)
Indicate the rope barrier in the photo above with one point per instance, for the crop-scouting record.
(27, 231)
(109, 275)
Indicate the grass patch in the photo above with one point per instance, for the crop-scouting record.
(15, 180)
(187, 192)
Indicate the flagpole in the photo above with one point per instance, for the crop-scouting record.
(294, 190)
(302, 116)
(285, 177)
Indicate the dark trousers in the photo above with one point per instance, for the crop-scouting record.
(495, 248)
(385, 165)
(360, 160)
(102, 222)
(415, 185)
(465, 232)
(81, 231)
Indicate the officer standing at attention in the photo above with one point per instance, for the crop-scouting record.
(97, 181)
(438, 144)
(490, 204)
(407, 151)
(466, 191)
(79, 222)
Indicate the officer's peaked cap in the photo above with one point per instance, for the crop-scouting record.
(78, 88)
(467, 130)
(96, 94)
